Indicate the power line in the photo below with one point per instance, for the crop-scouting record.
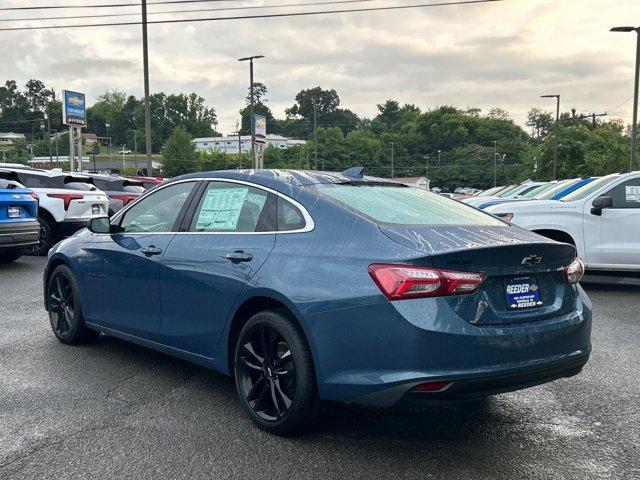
(104, 5)
(272, 15)
(194, 10)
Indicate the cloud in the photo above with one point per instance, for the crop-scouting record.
(504, 54)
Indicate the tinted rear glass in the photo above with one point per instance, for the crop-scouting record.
(133, 188)
(406, 206)
(74, 185)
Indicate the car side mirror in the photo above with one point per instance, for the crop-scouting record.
(600, 203)
(100, 225)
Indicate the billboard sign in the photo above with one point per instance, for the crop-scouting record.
(260, 126)
(74, 108)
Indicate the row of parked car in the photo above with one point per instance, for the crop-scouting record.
(39, 207)
(600, 216)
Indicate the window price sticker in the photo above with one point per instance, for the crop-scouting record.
(632, 193)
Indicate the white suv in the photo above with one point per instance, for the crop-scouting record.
(67, 201)
(602, 219)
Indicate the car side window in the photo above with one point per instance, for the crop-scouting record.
(158, 211)
(626, 195)
(289, 216)
(227, 207)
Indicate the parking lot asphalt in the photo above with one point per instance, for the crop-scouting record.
(116, 410)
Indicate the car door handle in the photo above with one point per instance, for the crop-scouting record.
(239, 256)
(151, 250)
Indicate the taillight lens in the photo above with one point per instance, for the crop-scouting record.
(66, 198)
(124, 198)
(398, 282)
(507, 217)
(429, 387)
(574, 272)
(35, 196)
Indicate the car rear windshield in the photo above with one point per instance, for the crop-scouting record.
(397, 205)
(79, 185)
(588, 189)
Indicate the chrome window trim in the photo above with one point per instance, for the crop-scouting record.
(309, 223)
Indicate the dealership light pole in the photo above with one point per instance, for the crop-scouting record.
(634, 125)
(495, 166)
(555, 146)
(147, 103)
(254, 161)
(391, 143)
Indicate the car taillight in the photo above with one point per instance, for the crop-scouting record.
(431, 387)
(125, 199)
(35, 196)
(574, 272)
(66, 198)
(507, 217)
(399, 282)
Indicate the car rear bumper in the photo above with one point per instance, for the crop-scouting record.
(375, 354)
(476, 386)
(19, 233)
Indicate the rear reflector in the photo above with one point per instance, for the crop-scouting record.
(399, 282)
(574, 272)
(430, 387)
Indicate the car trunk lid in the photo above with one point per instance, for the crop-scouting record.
(524, 271)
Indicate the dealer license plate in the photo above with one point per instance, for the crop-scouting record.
(523, 293)
(13, 212)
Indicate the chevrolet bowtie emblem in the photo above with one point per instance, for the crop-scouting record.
(531, 260)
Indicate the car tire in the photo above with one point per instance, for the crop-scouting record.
(65, 312)
(8, 255)
(45, 241)
(278, 390)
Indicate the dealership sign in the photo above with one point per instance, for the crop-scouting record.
(260, 128)
(74, 109)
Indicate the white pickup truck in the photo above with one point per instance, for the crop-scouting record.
(602, 219)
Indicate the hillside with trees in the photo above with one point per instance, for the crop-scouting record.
(450, 145)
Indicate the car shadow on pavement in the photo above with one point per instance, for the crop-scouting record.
(451, 424)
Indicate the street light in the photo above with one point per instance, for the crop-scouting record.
(634, 125)
(106, 126)
(253, 128)
(555, 147)
(495, 166)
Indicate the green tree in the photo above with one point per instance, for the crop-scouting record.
(179, 154)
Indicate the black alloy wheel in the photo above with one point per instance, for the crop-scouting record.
(267, 372)
(274, 373)
(64, 309)
(61, 304)
(45, 239)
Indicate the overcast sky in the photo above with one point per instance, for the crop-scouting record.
(501, 54)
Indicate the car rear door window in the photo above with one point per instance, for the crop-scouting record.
(626, 195)
(157, 212)
(397, 205)
(227, 207)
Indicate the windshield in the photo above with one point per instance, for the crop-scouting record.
(385, 204)
(588, 189)
(538, 190)
(558, 187)
(490, 192)
(505, 193)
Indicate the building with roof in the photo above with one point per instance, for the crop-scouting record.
(231, 144)
(9, 138)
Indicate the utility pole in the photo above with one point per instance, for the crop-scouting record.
(634, 124)
(427, 158)
(439, 152)
(391, 160)
(555, 147)
(147, 103)
(239, 145)
(254, 160)
(135, 149)
(46, 113)
(593, 117)
(315, 135)
(495, 166)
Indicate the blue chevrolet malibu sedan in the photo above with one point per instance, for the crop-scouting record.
(309, 286)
